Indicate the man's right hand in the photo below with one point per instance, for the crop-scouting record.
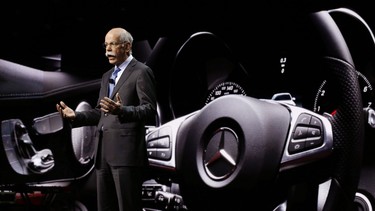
(65, 111)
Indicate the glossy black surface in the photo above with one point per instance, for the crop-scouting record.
(52, 50)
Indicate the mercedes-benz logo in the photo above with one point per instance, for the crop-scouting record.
(221, 154)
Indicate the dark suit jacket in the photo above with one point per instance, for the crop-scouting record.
(123, 136)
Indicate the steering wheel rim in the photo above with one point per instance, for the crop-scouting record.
(347, 123)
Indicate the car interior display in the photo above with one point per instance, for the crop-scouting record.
(270, 111)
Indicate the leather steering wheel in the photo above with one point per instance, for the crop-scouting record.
(268, 154)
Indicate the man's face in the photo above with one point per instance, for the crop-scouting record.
(114, 49)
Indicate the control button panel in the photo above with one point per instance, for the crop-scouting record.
(159, 145)
(307, 133)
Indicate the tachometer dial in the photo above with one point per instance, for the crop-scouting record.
(326, 99)
(225, 88)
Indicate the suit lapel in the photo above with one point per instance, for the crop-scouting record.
(124, 76)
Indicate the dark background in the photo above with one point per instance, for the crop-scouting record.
(75, 30)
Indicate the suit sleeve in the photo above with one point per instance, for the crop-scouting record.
(146, 92)
(87, 118)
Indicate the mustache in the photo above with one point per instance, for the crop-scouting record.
(108, 54)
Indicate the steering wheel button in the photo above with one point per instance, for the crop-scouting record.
(300, 132)
(312, 143)
(164, 154)
(296, 146)
(152, 153)
(152, 144)
(316, 122)
(163, 143)
(153, 135)
(304, 119)
(313, 132)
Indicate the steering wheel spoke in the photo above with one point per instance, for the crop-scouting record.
(310, 138)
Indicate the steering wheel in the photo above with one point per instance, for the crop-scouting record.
(240, 152)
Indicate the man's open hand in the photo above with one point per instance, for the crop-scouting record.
(107, 105)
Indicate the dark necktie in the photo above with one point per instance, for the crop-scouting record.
(112, 81)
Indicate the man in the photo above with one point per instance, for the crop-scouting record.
(121, 155)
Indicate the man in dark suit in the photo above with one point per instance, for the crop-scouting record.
(120, 116)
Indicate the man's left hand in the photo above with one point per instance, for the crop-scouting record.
(107, 105)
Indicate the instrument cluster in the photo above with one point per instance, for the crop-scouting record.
(214, 71)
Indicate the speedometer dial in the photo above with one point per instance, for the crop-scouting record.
(326, 98)
(225, 88)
